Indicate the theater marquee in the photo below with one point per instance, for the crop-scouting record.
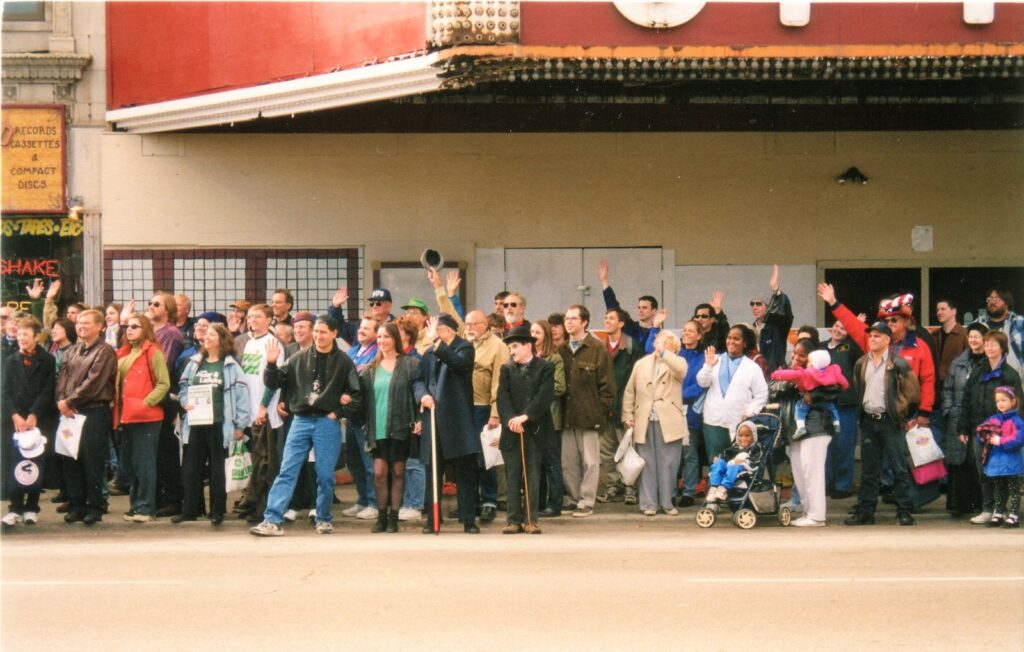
(34, 171)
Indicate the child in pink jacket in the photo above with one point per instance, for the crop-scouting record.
(819, 372)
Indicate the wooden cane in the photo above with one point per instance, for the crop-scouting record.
(526, 483)
(434, 471)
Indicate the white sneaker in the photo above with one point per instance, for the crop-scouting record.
(807, 521)
(10, 518)
(266, 529)
(980, 519)
(311, 517)
(31, 518)
(353, 510)
(367, 513)
(409, 514)
(323, 527)
(723, 493)
(794, 508)
(290, 515)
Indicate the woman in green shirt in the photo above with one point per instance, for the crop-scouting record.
(388, 385)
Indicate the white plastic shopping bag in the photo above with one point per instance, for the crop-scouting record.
(628, 462)
(489, 442)
(69, 435)
(922, 446)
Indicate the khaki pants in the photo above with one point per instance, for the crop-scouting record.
(581, 465)
(609, 439)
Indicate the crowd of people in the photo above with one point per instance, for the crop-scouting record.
(409, 403)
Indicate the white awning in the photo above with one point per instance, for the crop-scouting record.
(370, 83)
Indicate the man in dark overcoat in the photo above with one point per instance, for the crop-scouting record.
(447, 372)
(526, 389)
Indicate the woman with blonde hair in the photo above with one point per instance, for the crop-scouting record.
(653, 406)
(142, 383)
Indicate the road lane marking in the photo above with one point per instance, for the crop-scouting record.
(84, 582)
(835, 580)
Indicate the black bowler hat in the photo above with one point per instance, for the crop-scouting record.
(519, 334)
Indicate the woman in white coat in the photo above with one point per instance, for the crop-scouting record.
(652, 405)
(736, 391)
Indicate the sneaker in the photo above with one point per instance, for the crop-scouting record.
(794, 508)
(1011, 521)
(10, 518)
(672, 511)
(568, 503)
(409, 514)
(367, 513)
(266, 529)
(723, 493)
(31, 518)
(807, 521)
(323, 527)
(291, 515)
(982, 518)
(995, 521)
(311, 517)
(353, 510)
(143, 518)
(612, 495)
(646, 512)
(631, 498)
(583, 512)
(127, 516)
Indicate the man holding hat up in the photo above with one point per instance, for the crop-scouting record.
(526, 389)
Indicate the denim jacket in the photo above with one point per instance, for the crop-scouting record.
(236, 397)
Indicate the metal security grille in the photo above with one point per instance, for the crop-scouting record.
(216, 278)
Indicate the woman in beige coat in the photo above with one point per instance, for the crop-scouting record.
(653, 406)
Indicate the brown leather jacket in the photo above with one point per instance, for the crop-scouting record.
(87, 377)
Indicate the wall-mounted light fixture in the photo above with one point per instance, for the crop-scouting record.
(852, 176)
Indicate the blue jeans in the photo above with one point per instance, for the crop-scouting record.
(839, 461)
(488, 477)
(323, 435)
(415, 484)
(724, 474)
(138, 459)
(359, 464)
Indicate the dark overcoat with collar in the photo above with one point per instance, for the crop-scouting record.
(447, 375)
(529, 391)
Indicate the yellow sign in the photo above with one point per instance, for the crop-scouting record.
(33, 159)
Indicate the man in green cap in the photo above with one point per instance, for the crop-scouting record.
(416, 311)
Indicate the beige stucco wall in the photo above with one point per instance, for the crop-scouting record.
(715, 198)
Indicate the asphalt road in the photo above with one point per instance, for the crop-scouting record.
(616, 581)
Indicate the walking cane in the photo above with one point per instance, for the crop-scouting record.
(526, 483)
(434, 472)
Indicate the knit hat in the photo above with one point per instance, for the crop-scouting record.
(901, 306)
(819, 359)
(213, 317)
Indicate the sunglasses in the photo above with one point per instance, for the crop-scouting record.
(756, 303)
(511, 304)
(154, 304)
(891, 320)
(702, 316)
(375, 304)
(132, 327)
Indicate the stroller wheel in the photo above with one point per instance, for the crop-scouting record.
(744, 519)
(706, 517)
(785, 516)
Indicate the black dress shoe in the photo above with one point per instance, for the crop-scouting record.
(73, 517)
(216, 519)
(685, 501)
(168, 510)
(861, 518)
(488, 513)
(180, 518)
(428, 528)
(905, 518)
(471, 528)
(92, 519)
(840, 495)
(60, 498)
(547, 512)
(853, 510)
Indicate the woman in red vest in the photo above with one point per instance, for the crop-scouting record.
(142, 382)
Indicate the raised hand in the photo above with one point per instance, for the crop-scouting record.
(340, 297)
(35, 291)
(773, 282)
(602, 272)
(433, 277)
(54, 291)
(717, 297)
(827, 293)
(273, 350)
(127, 311)
(660, 317)
(454, 280)
(431, 327)
(710, 359)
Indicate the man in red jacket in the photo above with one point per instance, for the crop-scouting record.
(898, 316)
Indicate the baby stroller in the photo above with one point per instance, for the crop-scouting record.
(755, 493)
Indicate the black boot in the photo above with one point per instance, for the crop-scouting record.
(393, 520)
(382, 521)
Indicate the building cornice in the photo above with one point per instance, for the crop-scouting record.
(49, 67)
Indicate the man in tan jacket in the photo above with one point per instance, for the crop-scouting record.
(491, 354)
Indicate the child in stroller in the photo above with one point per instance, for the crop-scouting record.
(735, 462)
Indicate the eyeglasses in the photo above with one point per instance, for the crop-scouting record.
(702, 316)
(510, 304)
(375, 304)
(154, 304)
(132, 327)
(756, 303)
